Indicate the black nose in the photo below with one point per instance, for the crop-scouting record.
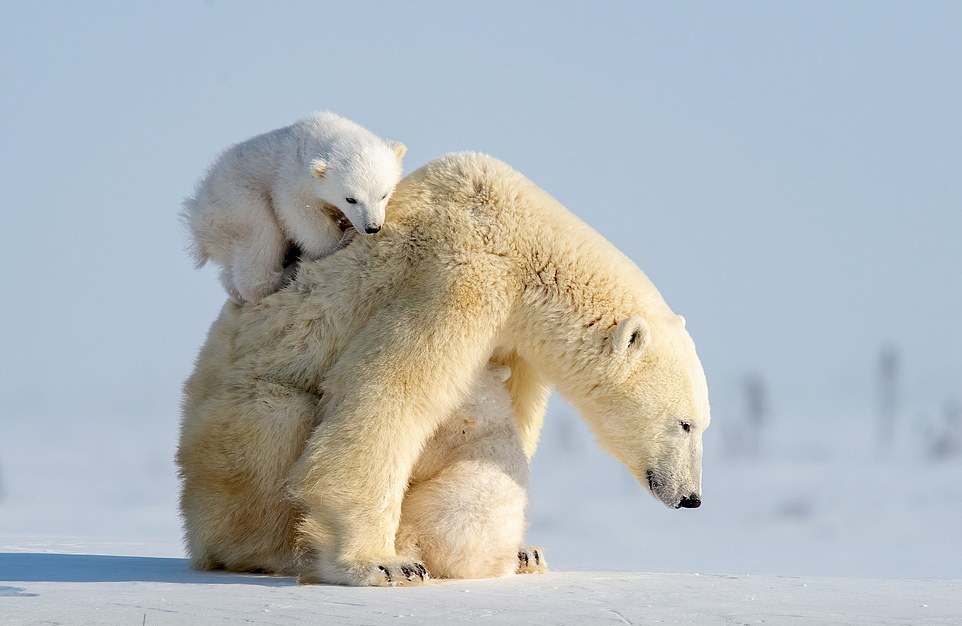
(370, 230)
(690, 502)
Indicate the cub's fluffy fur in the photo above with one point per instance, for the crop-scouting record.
(301, 184)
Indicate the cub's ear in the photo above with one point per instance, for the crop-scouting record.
(684, 322)
(630, 335)
(318, 167)
(399, 149)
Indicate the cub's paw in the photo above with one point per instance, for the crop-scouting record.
(350, 234)
(531, 561)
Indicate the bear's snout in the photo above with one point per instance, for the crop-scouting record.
(370, 229)
(692, 501)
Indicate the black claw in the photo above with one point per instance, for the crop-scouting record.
(422, 571)
(523, 557)
(387, 574)
(537, 557)
(407, 571)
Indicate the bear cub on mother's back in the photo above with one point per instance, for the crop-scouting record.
(296, 184)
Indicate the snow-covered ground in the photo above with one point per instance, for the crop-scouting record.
(94, 590)
(815, 528)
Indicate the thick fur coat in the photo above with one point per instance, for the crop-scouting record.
(316, 419)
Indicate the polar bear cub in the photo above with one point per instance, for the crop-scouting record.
(299, 184)
(463, 514)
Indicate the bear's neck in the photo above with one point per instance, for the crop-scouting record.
(575, 287)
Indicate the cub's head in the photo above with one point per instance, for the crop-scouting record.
(649, 405)
(359, 180)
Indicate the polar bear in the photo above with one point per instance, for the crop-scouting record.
(306, 417)
(302, 184)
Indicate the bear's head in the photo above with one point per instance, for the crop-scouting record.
(648, 405)
(359, 180)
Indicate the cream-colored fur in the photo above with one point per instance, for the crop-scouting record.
(309, 414)
(293, 184)
(463, 513)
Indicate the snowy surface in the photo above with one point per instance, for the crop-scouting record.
(91, 590)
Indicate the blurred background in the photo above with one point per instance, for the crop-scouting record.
(788, 175)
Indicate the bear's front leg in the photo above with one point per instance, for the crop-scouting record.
(385, 397)
(350, 484)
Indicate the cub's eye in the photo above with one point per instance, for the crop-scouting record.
(350, 200)
(384, 196)
(686, 426)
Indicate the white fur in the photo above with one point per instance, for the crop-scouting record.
(321, 428)
(463, 513)
(289, 185)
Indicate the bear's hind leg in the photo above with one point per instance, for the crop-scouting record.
(257, 269)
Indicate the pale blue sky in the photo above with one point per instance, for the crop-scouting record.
(788, 175)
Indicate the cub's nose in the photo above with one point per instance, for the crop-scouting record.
(692, 501)
(370, 230)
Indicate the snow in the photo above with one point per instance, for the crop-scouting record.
(92, 590)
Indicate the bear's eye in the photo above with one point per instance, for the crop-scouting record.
(686, 426)
(384, 197)
(350, 200)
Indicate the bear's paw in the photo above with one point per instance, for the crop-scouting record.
(376, 573)
(531, 561)
(400, 573)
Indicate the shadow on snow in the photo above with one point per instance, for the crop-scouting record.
(98, 568)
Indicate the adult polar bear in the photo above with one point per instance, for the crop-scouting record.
(307, 413)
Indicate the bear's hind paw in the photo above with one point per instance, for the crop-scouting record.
(531, 561)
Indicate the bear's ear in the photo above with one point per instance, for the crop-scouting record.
(684, 322)
(399, 149)
(631, 335)
(318, 167)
